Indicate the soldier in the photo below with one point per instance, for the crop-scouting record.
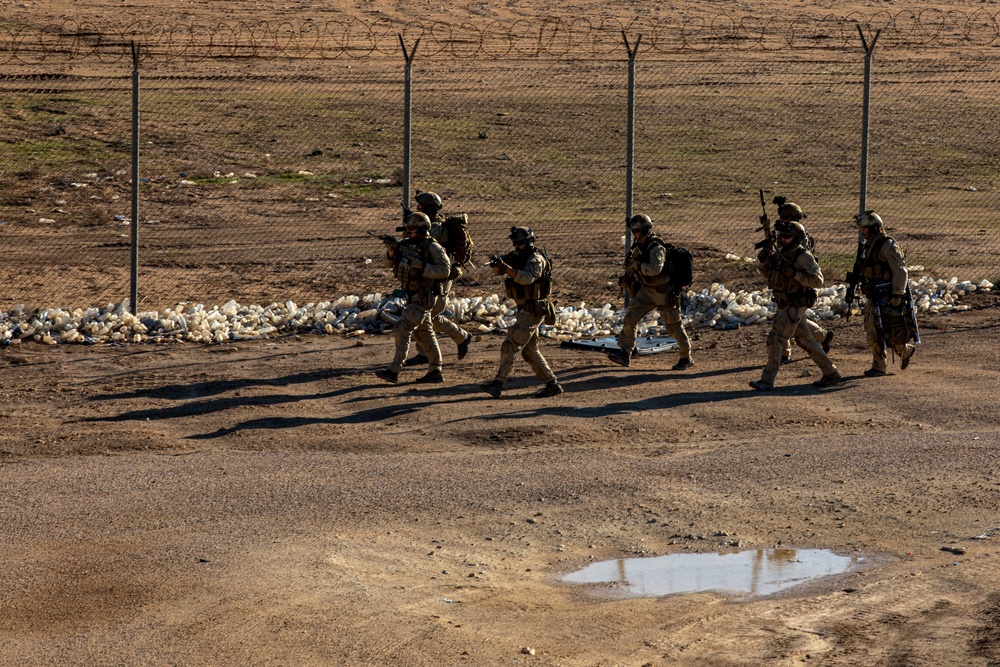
(430, 203)
(793, 276)
(528, 282)
(884, 282)
(421, 264)
(791, 211)
(647, 268)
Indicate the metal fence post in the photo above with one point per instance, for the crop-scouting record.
(866, 105)
(630, 144)
(407, 107)
(134, 287)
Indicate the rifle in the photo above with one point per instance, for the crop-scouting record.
(388, 239)
(406, 255)
(629, 281)
(854, 278)
(766, 244)
(879, 298)
(911, 314)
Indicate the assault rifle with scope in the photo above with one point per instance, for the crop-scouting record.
(766, 244)
(854, 277)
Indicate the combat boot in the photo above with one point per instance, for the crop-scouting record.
(494, 388)
(760, 385)
(875, 373)
(828, 340)
(463, 347)
(387, 375)
(829, 380)
(619, 357)
(910, 349)
(682, 364)
(418, 360)
(552, 388)
(433, 377)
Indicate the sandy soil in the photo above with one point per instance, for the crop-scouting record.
(274, 503)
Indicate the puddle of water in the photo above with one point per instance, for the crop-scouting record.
(753, 573)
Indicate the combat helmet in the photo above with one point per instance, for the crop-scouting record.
(429, 200)
(519, 234)
(788, 210)
(868, 219)
(640, 223)
(420, 221)
(792, 227)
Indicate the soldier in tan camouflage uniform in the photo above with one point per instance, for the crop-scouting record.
(528, 282)
(792, 211)
(884, 277)
(430, 204)
(421, 264)
(647, 265)
(793, 276)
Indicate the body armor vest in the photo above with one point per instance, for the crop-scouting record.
(411, 278)
(788, 290)
(662, 279)
(540, 289)
(874, 270)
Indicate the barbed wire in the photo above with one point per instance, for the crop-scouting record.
(543, 37)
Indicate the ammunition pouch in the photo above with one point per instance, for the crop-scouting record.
(801, 298)
(425, 295)
(536, 307)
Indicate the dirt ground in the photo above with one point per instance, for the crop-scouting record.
(274, 503)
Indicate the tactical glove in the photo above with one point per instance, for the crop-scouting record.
(896, 301)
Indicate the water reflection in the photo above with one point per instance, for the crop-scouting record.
(756, 573)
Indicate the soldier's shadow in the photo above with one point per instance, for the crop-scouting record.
(183, 392)
(599, 378)
(377, 414)
(664, 402)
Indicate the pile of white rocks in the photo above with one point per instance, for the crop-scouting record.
(714, 307)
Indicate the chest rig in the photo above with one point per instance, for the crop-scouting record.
(787, 290)
(541, 288)
(873, 269)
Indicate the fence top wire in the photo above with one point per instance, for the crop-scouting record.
(545, 37)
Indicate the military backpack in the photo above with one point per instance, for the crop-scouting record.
(679, 265)
(458, 242)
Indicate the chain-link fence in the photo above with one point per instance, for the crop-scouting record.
(267, 152)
